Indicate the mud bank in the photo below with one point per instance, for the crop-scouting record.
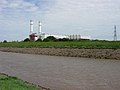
(87, 53)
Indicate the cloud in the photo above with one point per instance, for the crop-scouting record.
(15, 16)
(87, 17)
(23, 5)
(17, 5)
(85, 7)
(84, 11)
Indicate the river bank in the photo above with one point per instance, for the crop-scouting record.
(86, 53)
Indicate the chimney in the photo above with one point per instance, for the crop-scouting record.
(39, 27)
(31, 26)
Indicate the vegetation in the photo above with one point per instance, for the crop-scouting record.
(50, 38)
(12, 83)
(39, 40)
(27, 40)
(87, 44)
(64, 39)
(5, 41)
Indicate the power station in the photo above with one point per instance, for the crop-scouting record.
(40, 35)
(34, 36)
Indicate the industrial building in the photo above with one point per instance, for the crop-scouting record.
(34, 36)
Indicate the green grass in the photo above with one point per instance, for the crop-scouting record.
(12, 83)
(70, 44)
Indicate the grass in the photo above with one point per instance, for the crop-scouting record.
(69, 44)
(12, 83)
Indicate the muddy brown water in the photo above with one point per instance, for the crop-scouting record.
(63, 73)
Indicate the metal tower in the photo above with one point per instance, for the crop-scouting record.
(115, 33)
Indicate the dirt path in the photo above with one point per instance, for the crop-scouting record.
(62, 73)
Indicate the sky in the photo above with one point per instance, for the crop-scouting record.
(94, 18)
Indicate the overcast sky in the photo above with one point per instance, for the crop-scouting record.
(95, 18)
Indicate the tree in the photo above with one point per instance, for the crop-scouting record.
(63, 39)
(5, 41)
(39, 40)
(27, 40)
(50, 38)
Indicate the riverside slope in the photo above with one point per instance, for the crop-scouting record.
(87, 53)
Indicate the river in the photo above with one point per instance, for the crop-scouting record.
(62, 73)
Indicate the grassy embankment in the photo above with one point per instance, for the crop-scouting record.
(12, 83)
(70, 44)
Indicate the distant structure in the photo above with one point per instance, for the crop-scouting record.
(31, 26)
(32, 35)
(39, 29)
(40, 35)
(115, 33)
(78, 37)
